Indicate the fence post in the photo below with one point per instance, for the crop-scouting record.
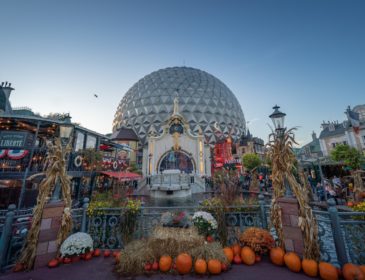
(6, 234)
(336, 231)
(262, 210)
(85, 205)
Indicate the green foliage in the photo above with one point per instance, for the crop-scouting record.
(348, 155)
(251, 161)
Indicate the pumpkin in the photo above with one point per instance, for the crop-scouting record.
(200, 266)
(236, 248)
(327, 271)
(310, 267)
(66, 260)
(292, 261)
(184, 263)
(88, 256)
(257, 258)
(277, 256)
(96, 253)
(107, 253)
(237, 259)
(18, 267)
(362, 268)
(248, 256)
(53, 263)
(115, 254)
(147, 266)
(214, 266)
(352, 272)
(224, 267)
(155, 266)
(75, 258)
(229, 254)
(165, 263)
(210, 239)
(117, 257)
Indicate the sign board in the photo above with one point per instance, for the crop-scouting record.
(15, 139)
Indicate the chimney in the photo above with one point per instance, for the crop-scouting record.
(314, 136)
(7, 89)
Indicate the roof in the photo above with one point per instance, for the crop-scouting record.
(125, 134)
(339, 129)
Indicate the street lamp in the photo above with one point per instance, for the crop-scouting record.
(65, 135)
(278, 119)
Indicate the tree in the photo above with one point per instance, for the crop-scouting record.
(251, 161)
(348, 156)
(353, 159)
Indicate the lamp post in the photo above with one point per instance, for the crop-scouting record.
(278, 119)
(65, 135)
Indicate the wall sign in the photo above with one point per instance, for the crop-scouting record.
(15, 139)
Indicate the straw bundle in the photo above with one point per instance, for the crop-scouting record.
(56, 171)
(283, 158)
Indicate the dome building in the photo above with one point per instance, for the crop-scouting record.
(204, 101)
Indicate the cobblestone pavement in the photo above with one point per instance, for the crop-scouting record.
(100, 269)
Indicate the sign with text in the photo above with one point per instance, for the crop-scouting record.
(15, 139)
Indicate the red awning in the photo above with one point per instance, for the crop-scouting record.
(122, 175)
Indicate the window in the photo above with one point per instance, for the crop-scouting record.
(344, 142)
(79, 141)
(90, 142)
(333, 145)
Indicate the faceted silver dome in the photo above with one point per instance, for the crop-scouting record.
(203, 101)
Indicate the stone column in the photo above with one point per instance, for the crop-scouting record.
(50, 225)
(293, 236)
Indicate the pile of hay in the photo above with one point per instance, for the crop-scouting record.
(166, 241)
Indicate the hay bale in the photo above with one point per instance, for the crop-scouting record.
(209, 251)
(179, 234)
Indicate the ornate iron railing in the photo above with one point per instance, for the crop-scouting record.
(106, 226)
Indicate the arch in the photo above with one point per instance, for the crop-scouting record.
(181, 160)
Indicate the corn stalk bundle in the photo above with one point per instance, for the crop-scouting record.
(283, 158)
(358, 184)
(55, 171)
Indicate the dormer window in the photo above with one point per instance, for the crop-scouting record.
(331, 127)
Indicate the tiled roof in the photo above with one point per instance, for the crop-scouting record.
(125, 134)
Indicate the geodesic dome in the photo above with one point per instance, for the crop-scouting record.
(204, 101)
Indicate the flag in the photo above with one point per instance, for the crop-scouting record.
(354, 119)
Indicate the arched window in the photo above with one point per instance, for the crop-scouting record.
(176, 160)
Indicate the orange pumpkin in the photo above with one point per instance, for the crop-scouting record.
(200, 266)
(53, 263)
(248, 256)
(277, 256)
(257, 258)
(229, 253)
(362, 268)
(18, 267)
(147, 266)
(292, 261)
(184, 263)
(96, 253)
(352, 272)
(237, 259)
(236, 248)
(327, 271)
(155, 266)
(107, 253)
(165, 263)
(66, 260)
(310, 267)
(214, 267)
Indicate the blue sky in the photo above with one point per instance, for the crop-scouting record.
(308, 56)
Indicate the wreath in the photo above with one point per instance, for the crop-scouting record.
(78, 161)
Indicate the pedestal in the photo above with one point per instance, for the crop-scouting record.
(293, 236)
(50, 226)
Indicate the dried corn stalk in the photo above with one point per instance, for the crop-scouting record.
(56, 170)
(283, 158)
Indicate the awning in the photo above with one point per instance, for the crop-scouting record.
(128, 176)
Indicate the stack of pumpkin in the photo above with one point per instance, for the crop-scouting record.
(311, 268)
(87, 256)
(172, 250)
